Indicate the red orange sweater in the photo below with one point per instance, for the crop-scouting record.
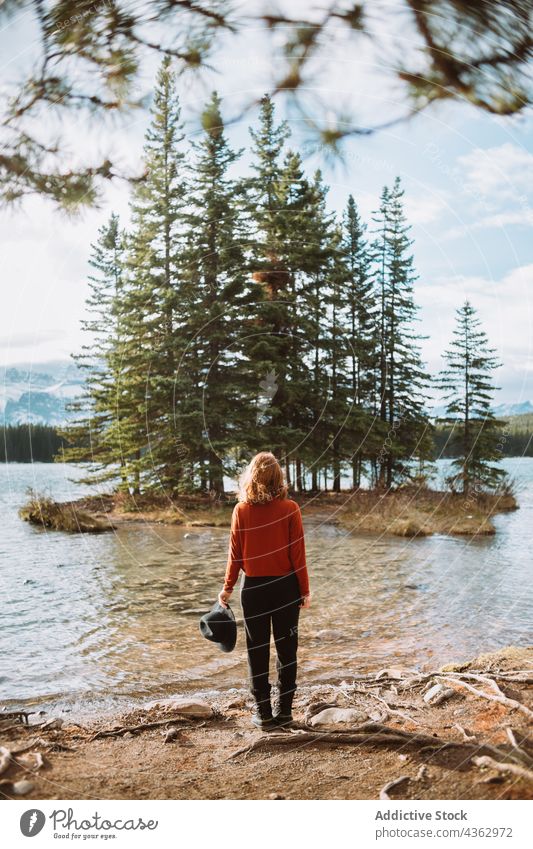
(267, 539)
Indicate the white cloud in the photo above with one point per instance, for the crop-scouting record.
(29, 338)
(426, 208)
(497, 220)
(503, 172)
(419, 209)
(498, 182)
(515, 287)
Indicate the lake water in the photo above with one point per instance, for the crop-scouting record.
(95, 622)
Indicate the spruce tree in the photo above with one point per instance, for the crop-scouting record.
(95, 434)
(340, 406)
(316, 321)
(360, 309)
(217, 412)
(401, 379)
(468, 390)
(156, 325)
(238, 315)
(269, 344)
(296, 223)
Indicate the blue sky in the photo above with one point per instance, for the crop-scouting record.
(468, 178)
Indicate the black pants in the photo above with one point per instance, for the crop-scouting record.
(271, 600)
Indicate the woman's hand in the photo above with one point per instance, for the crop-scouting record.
(224, 597)
(306, 601)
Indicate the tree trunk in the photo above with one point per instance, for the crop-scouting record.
(137, 476)
(336, 468)
(288, 472)
(203, 474)
(299, 478)
(124, 474)
(216, 474)
(356, 471)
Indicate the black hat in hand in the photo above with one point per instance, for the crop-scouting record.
(220, 627)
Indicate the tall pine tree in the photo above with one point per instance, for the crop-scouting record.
(360, 316)
(316, 316)
(96, 435)
(401, 379)
(217, 412)
(468, 390)
(156, 325)
(269, 343)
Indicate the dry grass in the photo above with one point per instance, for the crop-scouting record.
(407, 512)
(410, 512)
(510, 657)
(43, 510)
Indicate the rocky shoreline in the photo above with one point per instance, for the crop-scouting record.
(460, 732)
(406, 512)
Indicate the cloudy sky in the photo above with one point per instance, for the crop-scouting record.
(468, 179)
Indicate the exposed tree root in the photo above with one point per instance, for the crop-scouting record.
(384, 792)
(371, 734)
(116, 732)
(392, 695)
(5, 759)
(21, 715)
(51, 745)
(515, 769)
(468, 738)
(392, 711)
(496, 696)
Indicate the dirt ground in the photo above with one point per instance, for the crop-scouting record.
(208, 758)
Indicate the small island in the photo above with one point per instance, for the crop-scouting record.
(406, 512)
(287, 327)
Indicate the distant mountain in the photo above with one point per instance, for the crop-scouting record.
(38, 392)
(501, 410)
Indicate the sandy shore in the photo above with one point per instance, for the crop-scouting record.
(471, 739)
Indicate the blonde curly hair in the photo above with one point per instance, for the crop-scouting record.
(262, 480)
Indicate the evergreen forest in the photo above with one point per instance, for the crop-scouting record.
(237, 313)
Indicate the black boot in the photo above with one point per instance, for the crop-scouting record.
(283, 715)
(262, 715)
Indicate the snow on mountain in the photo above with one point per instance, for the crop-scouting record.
(513, 409)
(500, 410)
(38, 393)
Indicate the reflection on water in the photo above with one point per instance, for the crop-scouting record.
(112, 617)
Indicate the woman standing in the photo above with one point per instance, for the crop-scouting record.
(267, 543)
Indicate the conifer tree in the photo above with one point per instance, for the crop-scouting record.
(468, 390)
(95, 435)
(316, 234)
(218, 409)
(337, 350)
(269, 343)
(359, 298)
(156, 326)
(238, 315)
(401, 378)
(296, 228)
